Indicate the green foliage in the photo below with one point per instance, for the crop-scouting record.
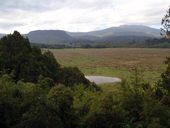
(44, 105)
(70, 76)
(28, 64)
(60, 100)
(166, 76)
(166, 24)
(163, 88)
(14, 51)
(45, 83)
(24, 62)
(107, 114)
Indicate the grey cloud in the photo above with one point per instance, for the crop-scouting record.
(78, 14)
(30, 5)
(46, 5)
(5, 25)
(93, 4)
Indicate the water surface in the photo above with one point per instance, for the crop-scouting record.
(103, 79)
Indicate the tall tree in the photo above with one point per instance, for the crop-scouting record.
(23, 62)
(166, 24)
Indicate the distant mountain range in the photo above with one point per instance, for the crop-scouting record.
(121, 34)
(123, 30)
(49, 37)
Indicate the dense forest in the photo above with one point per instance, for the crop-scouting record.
(36, 92)
(22, 62)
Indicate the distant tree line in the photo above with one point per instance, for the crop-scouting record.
(148, 43)
(157, 43)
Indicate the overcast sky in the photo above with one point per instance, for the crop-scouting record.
(78, 15)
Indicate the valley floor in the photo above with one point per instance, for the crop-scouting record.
(115, 62)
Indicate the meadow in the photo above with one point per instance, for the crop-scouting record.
(116, 62)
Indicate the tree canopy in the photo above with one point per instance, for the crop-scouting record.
(166, 24)
(23, 62)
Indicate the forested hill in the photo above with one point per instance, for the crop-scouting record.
(49, 37)
(123, 30)
(121, 34)
(124, 35)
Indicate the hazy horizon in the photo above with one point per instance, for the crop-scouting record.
(79, 15)
(84, 31)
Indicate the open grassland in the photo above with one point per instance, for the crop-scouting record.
(118, 62)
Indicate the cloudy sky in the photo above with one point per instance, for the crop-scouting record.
(78, 15)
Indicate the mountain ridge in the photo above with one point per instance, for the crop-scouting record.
(48, 36)
(119, 34)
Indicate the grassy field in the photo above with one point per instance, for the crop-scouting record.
(118, 62)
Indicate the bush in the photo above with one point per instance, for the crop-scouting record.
(70, 76)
